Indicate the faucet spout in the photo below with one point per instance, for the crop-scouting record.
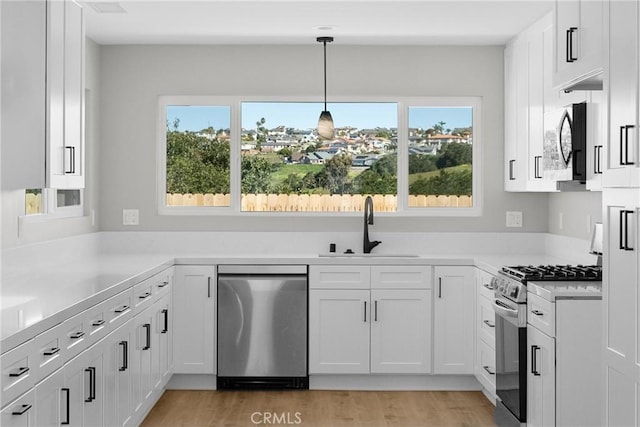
(368, 245)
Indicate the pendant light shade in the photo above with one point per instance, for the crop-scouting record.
(325, 123)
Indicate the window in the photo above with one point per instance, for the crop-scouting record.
(53, 202)
(413, 156)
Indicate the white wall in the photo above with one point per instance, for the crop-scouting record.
(15, 232)
(134, 76)
(579, 212)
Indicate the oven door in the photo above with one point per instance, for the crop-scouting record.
(511, 358)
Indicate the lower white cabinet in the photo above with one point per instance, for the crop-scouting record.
(362, 331)
(20, 412)
(541, 378)
(84, 387)
(453, 309)
(48, 408)
(194, 301)
(485, 338)
(118, 378)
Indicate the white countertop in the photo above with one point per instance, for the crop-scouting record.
(34, 301)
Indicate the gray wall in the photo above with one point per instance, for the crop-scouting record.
(134, 76)
(579, 211)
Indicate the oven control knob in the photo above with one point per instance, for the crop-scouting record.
(513, 292)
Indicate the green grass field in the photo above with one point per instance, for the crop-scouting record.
(416, 176)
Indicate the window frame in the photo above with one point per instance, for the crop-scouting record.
(235, 105)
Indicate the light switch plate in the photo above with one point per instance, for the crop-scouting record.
(130, 217)
(514, 219)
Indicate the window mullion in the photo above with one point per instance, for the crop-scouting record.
(403, 158)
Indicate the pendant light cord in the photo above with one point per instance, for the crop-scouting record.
(325, 75)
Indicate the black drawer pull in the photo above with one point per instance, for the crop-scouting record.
(163, 284)
(488, 286)
(19, 372)
(489, 324)
(51, 351)
(97, 322)
(145, 295)
(121, 309)
(489, 371)
(537, 312)
(22, 409)
(76, 335)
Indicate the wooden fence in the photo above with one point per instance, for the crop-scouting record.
(316, 202)
(33, 203)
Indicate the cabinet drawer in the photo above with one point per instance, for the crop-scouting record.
(339, 276)
(541, 314)
(75, 335)
(119, 309)
(18, 373)
(19, 413)
(49, 352)
(486, 366)
(142, 295)
(485, 287)
(162, 283)
(486, 322)
(401, 277)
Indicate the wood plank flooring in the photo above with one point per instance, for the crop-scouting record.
(314, 408)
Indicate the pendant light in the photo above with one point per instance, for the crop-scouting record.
(325, 123)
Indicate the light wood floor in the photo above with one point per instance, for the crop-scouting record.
(321, 408)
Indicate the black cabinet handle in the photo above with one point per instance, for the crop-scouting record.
(68, 420)
(365, 312)
(165, 313)
(147, 326)
(489, 371)
(99, 322)
(626, 144)
(19, 372)
(375, 311)
(72, 160)
(597, 159)
(21, 409)
(121, 309)
(489, 324)
(536, 167)
(209, 287)
(569, 47)
(534, 360)
(125, 355)
(624, 230)
(439, 287)
(537, 312)
(511, 176)
(145, 295)
(163, 284)
(488, 286)
(76, 335)
(51, 351)
(92, 384)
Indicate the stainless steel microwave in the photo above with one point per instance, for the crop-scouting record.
(565, 143)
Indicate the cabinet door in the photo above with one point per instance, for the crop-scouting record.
(541, 379)
(84, 379)
(401, 331)
(23, 90)
(339, 331)
(50, 409)
(162, 364)
(118, 379)
(623, 92)
(141, 360)
(453, 320)
(19, 413)
(194, 301)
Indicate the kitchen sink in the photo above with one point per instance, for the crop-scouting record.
(361, 255)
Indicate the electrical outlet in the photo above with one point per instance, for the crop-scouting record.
(130, 217)
(514, 219)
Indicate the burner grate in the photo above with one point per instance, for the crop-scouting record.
(524, 273)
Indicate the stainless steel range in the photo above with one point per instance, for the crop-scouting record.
(510, 305)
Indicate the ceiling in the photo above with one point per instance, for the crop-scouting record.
(351, 22)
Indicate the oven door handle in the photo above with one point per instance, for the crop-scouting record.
(502, 310)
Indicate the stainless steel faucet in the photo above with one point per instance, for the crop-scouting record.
(368, 219)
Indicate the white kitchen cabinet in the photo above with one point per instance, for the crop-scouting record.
(118, 376)
(141, 361)
(623, 161)
(485, 338)
(23, 72)
(400, 331)
(516, 110)
(580, 29)
(65, 95)
(19, 413)
(339, 331)
(162, 366)
(541, 378)
(359, 331)
(453, 319)
(49, 400)
(194, 301)
(84, 380)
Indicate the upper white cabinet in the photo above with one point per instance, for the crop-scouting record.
(453, 319)
(23, 62)
(65, 95)
(623, 161)
(42, 94)
(580, 27)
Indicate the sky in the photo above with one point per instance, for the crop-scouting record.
(304, 115)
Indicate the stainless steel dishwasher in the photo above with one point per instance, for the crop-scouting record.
(262, 327)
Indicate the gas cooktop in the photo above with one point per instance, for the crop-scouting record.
(524, 273)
